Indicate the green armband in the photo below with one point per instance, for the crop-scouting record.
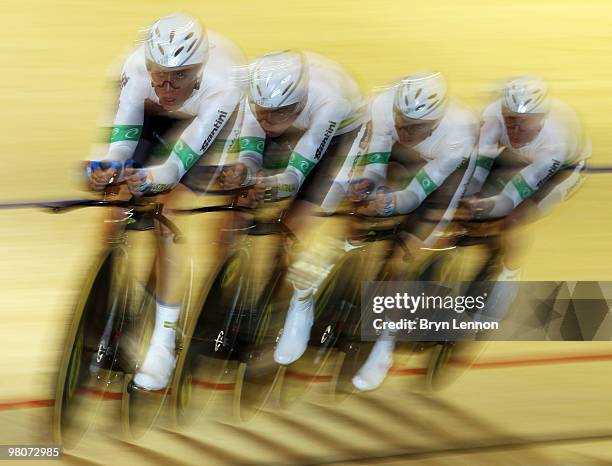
(187, 155)
(428, 185)
(252, 144)
(375, 157)
(126, 133)
(484, 162)
(522, 187)
(301, 163)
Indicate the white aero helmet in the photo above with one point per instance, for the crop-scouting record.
(176, 40)
(278, 79)
(421, 96)
(526, 94)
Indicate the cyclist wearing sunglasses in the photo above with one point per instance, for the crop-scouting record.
(312, 109)
(542, 134)
(300, 98)
(178, 94)
(181, 77)
(531, 157)
(416, 114)
(413, 122)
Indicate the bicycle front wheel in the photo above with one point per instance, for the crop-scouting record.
(87, 370)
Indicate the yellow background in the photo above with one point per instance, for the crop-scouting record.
(55, 56)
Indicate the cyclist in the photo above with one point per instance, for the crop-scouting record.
(532, 154)
(543, 133)
(180, 80)
(542, 136)
(303, 112)
(413, 116)
(304, 102)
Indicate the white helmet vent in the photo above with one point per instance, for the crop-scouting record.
(526, 94)
(278, 79)
(176, 40)
(421, 96)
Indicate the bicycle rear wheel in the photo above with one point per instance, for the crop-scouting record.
(450, 359)
(335, 303)
(203, 366)
(258, 373)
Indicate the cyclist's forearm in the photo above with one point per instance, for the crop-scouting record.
(166, 175)
(481, 173)
(286, 184)
(376, 167)
(334, 196)
(502, 205)
(123, 141)
(120, 152)
(421, 186)
(127, 129)
(407, 200)
(253, 162)
(522, 186)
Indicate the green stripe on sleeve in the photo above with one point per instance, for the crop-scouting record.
(376, 157)
(521, 186)
(301, 163)
(428, 185)
(484, 162)
(126, 133)
(186, 154)
(252, 144)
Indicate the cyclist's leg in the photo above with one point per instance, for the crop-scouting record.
(423, 232)
(311, 264)
(401, 167)
(557, 189)
(223, 230)
(159, 361)
(171, 270)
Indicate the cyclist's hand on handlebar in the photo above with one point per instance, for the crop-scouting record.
(361, 189)
(101, 173)
(253, 196)
(138, 180)
(384, 201)
(463, 213)
(381, 204)
(233, 177)
(479, 209)
(366, 208)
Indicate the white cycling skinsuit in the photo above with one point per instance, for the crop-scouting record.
(210, 105)
(451, 145)
(334, 106)
(560, 143)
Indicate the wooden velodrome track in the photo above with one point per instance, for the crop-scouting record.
(523, 403)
